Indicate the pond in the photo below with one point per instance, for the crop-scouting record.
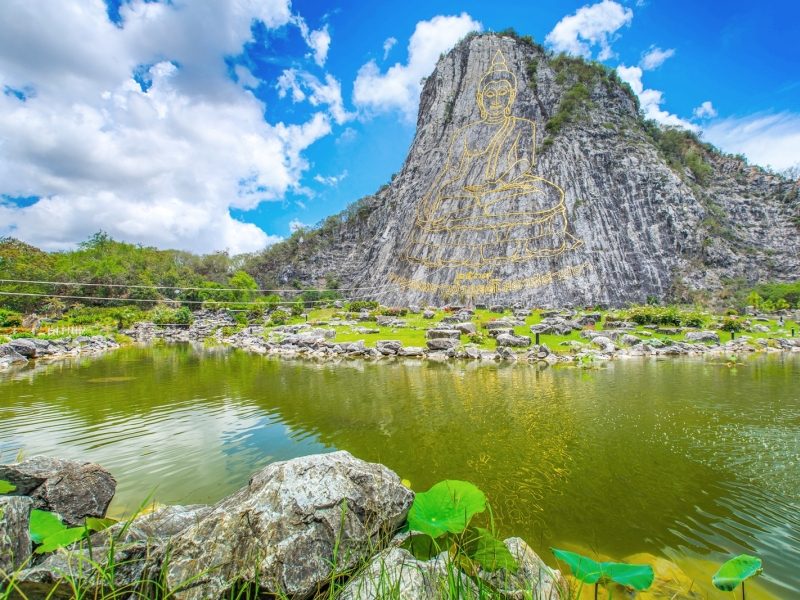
(683, 458)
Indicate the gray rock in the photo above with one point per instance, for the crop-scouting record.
(702, 336)
(411, 351)
(73, 489)
(23, 346)
(286, 523)
(435, 334)
(10, 356)
(466, 328)
(442, 343)
(15, 541)
(396, 574)
(757, 328)
(388, 347)
(428, 314)
(604, 343)
(497, 308)
(517, 341)
(630, 340)
(533, 578)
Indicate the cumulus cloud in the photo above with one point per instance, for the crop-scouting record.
(399, 88)
(388, 44)
(138, 130)
(655, 57)
(770, 140)
(590, 26)
(651, 100)
(304, 85)
(330, 180)
(705, 111)
(319, 40)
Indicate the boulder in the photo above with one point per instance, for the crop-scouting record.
(466, 328)
(288, 527)
(10, 356)
(388, 347)
(428, 314)
(500, 331)
(24, 347)
(442, 343)
(411, 351)
(702, 336)
(533, 578)
(588, 319)
(603, 342)
(497, 308)
(517, 341)
(629, 340)
(73, 489)
(436, 334)
(15, 541)
(395, 573)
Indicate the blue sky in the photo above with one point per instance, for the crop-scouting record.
(210, 127)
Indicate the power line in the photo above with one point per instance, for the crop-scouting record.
(181, 289)
(126, 300)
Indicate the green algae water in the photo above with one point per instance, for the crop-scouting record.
(682, 458)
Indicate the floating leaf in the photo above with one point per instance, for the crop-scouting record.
(406, 483)
(43, 524)
(6, 487)
(639, 577)
(491, 553)
(63, 538)
(447, 507)
(735, 571)
(583, 568)
(95, 524)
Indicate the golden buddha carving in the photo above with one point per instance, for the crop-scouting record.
(487, 207)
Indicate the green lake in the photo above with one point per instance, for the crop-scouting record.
(683, 458)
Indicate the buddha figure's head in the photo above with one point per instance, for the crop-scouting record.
(497, 90)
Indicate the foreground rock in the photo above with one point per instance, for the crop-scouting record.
(73, 489)
(288, 526)
(15, 541)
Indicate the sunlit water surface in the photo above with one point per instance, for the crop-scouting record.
(680, 458)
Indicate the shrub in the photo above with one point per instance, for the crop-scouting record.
(360, 305)
(731, 324)
(9, 318)
(477, 338)
(393, 311)
(278, 317)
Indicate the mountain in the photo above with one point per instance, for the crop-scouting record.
(533, 178)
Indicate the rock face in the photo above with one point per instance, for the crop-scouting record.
(591, 212)
(290, 523)
(15, 542)
(75, 490)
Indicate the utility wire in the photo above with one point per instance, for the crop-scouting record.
(180, 289)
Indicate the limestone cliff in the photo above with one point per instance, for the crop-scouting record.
(533, 179)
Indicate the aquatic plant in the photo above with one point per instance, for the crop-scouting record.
(587, 570)
(736, 571)
(440, 518)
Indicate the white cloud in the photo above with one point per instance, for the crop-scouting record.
(319, 40)
(398, 88)
(163, 166)
(331, 180)
(297, 225)
(651, 100)
(770, 140)
(388, 44)
(705, 111)
(304, 85)
(655, 57)
(590, 26)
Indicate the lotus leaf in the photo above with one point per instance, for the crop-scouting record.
(65, 537)
(735, 571)
(638, 577)
(491, 553)
(43, 524)
(447, 507)
(6, 486)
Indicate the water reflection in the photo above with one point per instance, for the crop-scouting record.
(668, 457)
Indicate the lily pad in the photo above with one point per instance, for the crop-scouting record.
(43, 524)
(735, 571)
(6, 487)
(492, 554)
(638, 577)
(447, 507)
(62, 538)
